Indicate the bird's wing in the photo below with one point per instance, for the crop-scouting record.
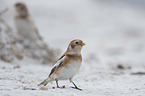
(35, 30)
(58, 64)
(61, 57)
(37, 33)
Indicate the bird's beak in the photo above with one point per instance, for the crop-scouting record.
(83, 44)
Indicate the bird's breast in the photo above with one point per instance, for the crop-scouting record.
(68, 71)
(25, 28)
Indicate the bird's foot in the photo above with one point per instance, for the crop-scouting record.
(60, 87)
(76, 88)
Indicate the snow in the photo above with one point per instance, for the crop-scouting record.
(114, 34)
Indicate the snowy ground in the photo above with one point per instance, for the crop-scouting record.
(114, 34)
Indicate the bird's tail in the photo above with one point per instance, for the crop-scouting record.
(45, 82)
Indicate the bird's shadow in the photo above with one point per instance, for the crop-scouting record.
(64, 87)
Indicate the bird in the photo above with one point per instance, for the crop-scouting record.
(24, 24)
(67, 65)
(32, 43)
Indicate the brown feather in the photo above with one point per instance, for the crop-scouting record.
(67, 60)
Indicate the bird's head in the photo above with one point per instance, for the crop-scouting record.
(75, 46)
(21, 10)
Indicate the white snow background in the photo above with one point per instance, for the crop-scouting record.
(114, 33)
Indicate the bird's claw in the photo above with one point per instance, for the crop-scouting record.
(61, 87)
(76, 88)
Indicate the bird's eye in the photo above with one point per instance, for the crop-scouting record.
(77, 42)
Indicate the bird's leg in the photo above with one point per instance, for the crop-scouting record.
(75, 85)
(57, 83)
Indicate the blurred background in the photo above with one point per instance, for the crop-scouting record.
(113, 30)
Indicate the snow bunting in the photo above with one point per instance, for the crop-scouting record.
(24, 24)
(28, 36)
(67, 65)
